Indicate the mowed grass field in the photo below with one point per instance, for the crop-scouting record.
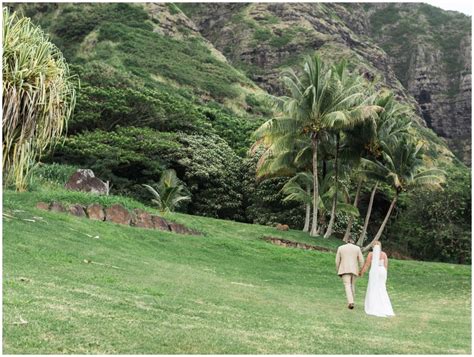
(225, 292)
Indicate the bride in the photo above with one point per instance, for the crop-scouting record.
(377, 302)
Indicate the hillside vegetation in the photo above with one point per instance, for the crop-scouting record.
(225, 292)
(159, 91)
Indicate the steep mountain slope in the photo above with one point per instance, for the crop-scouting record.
(430, 52)
(418, 51)
(155, 44)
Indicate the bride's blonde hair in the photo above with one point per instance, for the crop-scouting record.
(377, 243)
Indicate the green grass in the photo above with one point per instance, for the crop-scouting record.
(225, 292)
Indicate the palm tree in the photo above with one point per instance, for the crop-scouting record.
(285, 156)
(298, 188)
(351, 218)
(366, 140)
(169, 193)
(401, 165)
(319, 101)
(38, 96)
(328, 193)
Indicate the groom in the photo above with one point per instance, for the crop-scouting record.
(349, 259)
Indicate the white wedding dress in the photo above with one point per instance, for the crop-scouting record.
(377, 302)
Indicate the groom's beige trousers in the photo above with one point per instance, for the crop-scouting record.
(349, 285)
(348, 259)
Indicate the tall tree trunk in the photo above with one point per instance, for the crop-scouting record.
(334, 200)
(308, 211)
(314, 225)
(360, 242)
(351, 218)
(384, 223)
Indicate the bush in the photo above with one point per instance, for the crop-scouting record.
(127, 157)
(236, 131)
(263, 201)
(439, 229)
(54, 173)
(106, 108)
(210, 169)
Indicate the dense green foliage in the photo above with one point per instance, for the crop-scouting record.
(440, 228)
(228, 292)
(210, 169)
(127, 157)
(263, 200)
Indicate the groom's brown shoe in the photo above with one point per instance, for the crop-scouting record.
(350, 306)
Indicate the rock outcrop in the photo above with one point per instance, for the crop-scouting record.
(141, 218)
(84, 180)
(290, 244)
(57, 207)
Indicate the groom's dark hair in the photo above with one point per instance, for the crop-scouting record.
(350, 240)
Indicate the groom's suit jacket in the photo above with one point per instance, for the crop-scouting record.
(349, 259)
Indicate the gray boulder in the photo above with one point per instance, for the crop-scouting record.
(84, 180)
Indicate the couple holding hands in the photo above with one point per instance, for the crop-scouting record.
(349, 260)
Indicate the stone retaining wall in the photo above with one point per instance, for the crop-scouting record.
(288, 243)
(120, 215)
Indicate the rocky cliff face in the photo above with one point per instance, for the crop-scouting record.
(420, 52)
(430, 51)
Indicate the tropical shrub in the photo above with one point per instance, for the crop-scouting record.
(264, 200)
(127, 156)
(440, 228)
(210, 169)
(169, 193)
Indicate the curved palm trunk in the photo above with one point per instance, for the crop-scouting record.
(351, 218)
(384, 223)
(308, 211)
(367, 217)
(314, 225)
(334, 200)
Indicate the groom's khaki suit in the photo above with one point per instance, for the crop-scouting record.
(349, 259)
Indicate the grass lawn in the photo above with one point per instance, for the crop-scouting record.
(225, 292)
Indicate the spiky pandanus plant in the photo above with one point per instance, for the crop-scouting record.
(169, 193)
(401, 165)
(38, 96)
